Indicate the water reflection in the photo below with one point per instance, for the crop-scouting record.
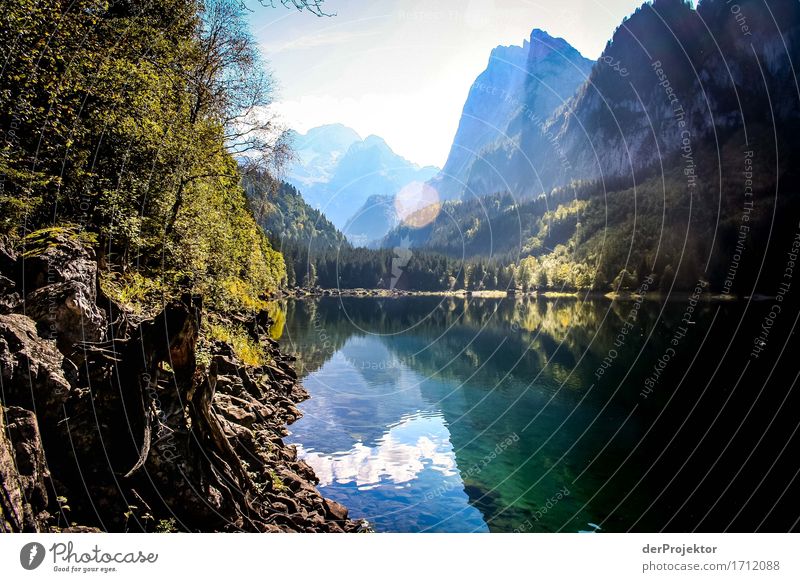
(445, 414)
(418, 443)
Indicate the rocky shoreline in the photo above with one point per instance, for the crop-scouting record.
(111, 421)
(301, 293)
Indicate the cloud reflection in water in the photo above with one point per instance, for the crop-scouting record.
(417, 442)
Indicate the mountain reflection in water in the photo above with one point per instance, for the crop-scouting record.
(447, 414)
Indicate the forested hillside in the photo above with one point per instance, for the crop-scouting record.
(120, 120)
(293, 227)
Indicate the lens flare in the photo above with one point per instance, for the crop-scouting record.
(417, 204)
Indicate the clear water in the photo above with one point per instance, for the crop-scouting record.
(447, 414)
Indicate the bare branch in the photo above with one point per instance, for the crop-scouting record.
(312, 6)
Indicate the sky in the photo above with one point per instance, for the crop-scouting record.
(401, 69)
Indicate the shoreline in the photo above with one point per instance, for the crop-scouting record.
(191, 430)
(299, 293)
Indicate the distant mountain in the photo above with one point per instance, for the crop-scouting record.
(679, 156)
(370, 223)
(318, 152)
(521, 87)
(337, 171)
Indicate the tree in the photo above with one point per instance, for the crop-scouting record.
(122, 119)
(229, 86)
(625, 281)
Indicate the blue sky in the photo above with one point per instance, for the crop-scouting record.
(401, 69)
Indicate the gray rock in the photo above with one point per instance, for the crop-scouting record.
(66, 312)
(63, 259)
(23, 472)
(33, 370)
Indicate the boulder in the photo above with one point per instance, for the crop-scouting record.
(67, 313)
(8, 257)
(335, 510)
(32, 368)
(9, 298)
(234, 409)
(62, 258)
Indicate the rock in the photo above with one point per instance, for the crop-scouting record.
(6, 285)
(60, 259)
(235, 430)
(304, 470)
(8, 258)
(335, 510)
(234, 409)
(33, 370)
(23, 473)
(9, 298)
(204, 443)
(66, 312)
(226, 365)
(227, 384)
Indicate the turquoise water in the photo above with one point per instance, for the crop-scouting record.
(447, 414)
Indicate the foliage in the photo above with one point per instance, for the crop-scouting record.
(119, 119)
(39, 240)
(166, 526)
(248, 350)
(584, 235)
(133, 291)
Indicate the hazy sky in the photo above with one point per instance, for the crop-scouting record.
(401, 69)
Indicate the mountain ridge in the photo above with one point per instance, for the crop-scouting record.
(337, 170)
(519, 83)
(648, 166)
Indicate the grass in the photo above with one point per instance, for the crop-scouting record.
(133, 291)
(248, 350)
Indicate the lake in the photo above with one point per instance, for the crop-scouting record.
(448, 414)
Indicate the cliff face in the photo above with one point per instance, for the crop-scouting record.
(678, 156)
(672, 81)
(115, 422)
(520, 88)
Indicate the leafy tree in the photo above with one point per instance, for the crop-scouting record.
(625, 281)
(122, 119)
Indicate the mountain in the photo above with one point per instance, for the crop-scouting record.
(370, 223)
(669, 69)
(337, 171)
(299, 231)
(677, 157)
(521, 86)
(318, 151)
